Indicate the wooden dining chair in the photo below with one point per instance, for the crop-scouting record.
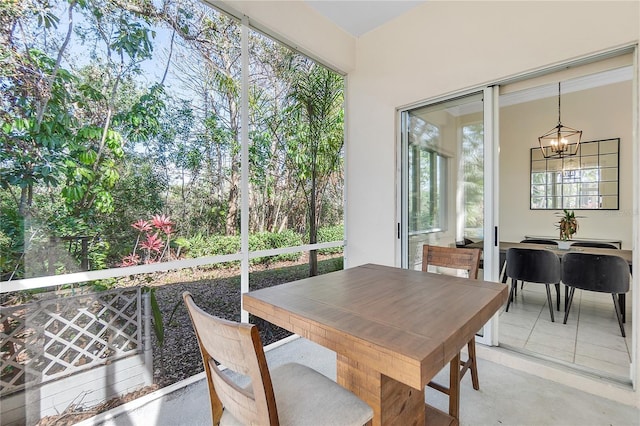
(466, 259)
(291, 394)
(597, 272)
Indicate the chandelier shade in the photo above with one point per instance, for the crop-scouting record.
(561, 141)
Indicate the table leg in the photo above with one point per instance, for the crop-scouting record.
(393, 402)
(454, 387)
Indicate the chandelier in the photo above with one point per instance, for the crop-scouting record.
(561, 141)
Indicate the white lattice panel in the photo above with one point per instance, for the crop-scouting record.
(48, 339)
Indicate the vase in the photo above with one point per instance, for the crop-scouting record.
(564, 245)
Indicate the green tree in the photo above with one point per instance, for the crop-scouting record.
(59, 134)
(315, 149)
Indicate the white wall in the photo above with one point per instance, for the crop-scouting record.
(601, 113)
(440, 48)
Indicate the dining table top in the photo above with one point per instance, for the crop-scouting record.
(406, 324)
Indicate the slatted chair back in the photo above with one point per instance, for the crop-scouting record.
(467, 259)
(237, 346)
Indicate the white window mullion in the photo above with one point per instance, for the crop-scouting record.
(244, 168)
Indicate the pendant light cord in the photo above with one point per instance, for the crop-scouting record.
(559, 122)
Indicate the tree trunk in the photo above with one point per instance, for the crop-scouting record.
(313, 230)
(232, 201)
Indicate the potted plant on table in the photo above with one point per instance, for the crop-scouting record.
(568, 225)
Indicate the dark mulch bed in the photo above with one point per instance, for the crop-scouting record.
(179, 357)
(216, 291)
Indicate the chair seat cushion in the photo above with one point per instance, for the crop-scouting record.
(306, 397)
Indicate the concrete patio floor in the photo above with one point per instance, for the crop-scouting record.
(506, 397)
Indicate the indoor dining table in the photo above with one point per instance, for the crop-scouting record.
(627, 255)
(392, 330)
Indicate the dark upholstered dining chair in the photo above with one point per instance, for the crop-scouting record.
(540, 241)
(291, 394)
(596, 272)
(534, 266)
(595, 245)
(463, 242)
(466, 259)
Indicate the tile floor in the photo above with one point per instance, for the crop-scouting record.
(537, 402)
(590, 341)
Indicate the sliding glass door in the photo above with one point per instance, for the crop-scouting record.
(446, 184)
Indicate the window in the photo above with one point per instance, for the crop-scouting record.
(122, 153)
(427, 180)
(471, 180)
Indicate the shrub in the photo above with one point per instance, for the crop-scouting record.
(223, 244)
(199, 246)
(331, 233)
(273, 240)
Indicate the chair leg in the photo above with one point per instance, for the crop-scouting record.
(567, 303)
(471, 348)
(558, 296)
(623, 307)
(513, 284)
(549, 301)
(503, 273)
(566, 297)
(618, 313)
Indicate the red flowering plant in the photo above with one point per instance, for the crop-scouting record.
(154, 246)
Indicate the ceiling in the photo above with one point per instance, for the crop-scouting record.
(358, 17)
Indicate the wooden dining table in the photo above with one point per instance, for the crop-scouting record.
(392, 330)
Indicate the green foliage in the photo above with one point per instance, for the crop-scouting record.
(135, 195)
(273, 240)
(33, 140)
(89, 146)
(11, 235)
(158, 325)
(568, 224)
(285, 238)
(331, 233)
(224, 244)
(132, 38)
(142, 121)
(199, 245)
(98, 254)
